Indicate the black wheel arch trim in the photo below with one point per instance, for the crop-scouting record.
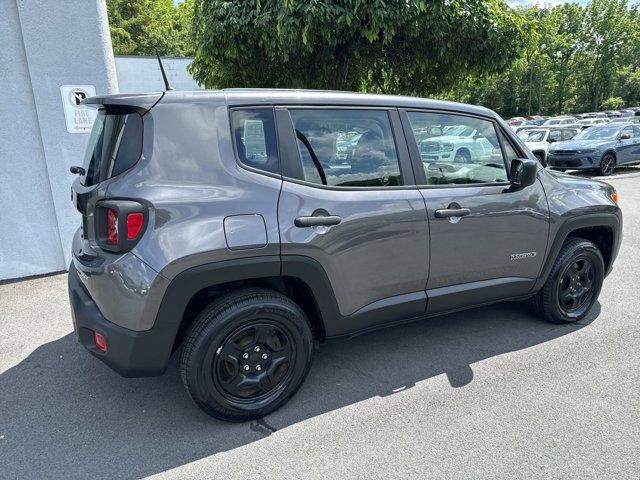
(192, 280)
(187, 283)
(610, 220)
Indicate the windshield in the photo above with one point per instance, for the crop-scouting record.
(598, 133)
(552, 122)
(532, 135)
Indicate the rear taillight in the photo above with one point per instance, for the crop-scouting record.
(135, 221)
(112, 226)
(119, 224)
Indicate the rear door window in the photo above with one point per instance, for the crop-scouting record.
(115, 145)
(347, 147)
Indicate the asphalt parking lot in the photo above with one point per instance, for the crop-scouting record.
(487, 393)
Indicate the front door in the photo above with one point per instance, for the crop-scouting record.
(347, 203)
(488, 241)
(628, 150)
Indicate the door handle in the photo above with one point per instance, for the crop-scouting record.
(452, 212)
(324, 220)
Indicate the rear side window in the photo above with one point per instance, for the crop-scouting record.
(254, 134)
(346, 147)
(115, 145)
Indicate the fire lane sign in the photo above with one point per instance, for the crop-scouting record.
(79, 118)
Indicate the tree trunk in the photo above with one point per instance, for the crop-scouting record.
(338, 78)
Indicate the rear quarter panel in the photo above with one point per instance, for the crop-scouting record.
(193, 183)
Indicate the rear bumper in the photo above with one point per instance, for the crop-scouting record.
(130, 353)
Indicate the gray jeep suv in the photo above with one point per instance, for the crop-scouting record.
(243, 227)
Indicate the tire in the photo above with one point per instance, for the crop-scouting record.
(607, 164)
(255, 329)
(462, 156)
(553, 302)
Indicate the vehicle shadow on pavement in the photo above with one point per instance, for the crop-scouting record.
(65, 414)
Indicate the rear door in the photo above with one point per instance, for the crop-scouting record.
(488, 241)
(349, 202)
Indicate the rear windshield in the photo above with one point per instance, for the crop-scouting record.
(115, 145)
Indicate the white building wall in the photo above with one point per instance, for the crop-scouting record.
(45, 45)
(141, 74)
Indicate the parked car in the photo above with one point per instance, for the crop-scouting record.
(555, 121)
(219, 225)
(536, 122)
(520, 128)
(539, 139)
(600, 148)
(457, 144)
(589, 122)
(512, 122)
(632, 120)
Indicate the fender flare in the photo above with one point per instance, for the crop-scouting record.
(600, 219)
(190, 281)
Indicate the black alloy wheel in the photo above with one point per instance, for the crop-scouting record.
(575, 287)
(246, 354)
(574, 283)
(607, 164)
(253, 360)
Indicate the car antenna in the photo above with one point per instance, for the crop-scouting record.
(167, 85)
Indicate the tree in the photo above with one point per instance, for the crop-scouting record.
(613, 103)
(401, 46)
(140, 27)
(560, 39)
(605, 34)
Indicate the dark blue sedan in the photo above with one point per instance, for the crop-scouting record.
(601, 148)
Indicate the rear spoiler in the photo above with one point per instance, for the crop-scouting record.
(140, 102)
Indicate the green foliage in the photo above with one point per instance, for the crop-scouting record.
(139, 27)
(580, 57)
(612, 103)
(527, 60)
(400, 46)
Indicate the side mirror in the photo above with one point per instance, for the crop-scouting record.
(625, 136)
(552, 140)
(523, 172)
